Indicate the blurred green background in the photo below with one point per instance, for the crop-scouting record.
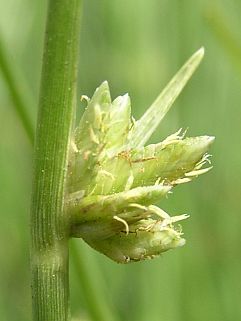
(137, 46)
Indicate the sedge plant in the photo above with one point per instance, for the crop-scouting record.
(100, 181)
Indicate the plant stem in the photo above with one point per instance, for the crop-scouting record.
(91, 288)
(50, 230)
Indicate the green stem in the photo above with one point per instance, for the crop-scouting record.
(93, 298)
(50, 231)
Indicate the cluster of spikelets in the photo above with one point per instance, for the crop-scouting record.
(114, 179)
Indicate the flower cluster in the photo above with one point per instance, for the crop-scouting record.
(114, 179)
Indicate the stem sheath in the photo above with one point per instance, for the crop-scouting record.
(49, 226)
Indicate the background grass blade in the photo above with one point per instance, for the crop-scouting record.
(226, 37)
(18, 92)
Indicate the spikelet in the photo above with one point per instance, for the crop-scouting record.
(113, 179)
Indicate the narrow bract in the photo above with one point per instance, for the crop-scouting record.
(114, 180)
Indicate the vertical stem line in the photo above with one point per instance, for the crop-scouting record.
(49, 226)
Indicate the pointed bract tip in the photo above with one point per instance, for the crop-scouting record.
(201, 51)
(126, 98)
(104, 85)
(122, 101)
(202, 141)
(198, 55)
(210, 139)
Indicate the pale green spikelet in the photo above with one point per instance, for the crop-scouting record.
(113, 179)
(145, 240)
